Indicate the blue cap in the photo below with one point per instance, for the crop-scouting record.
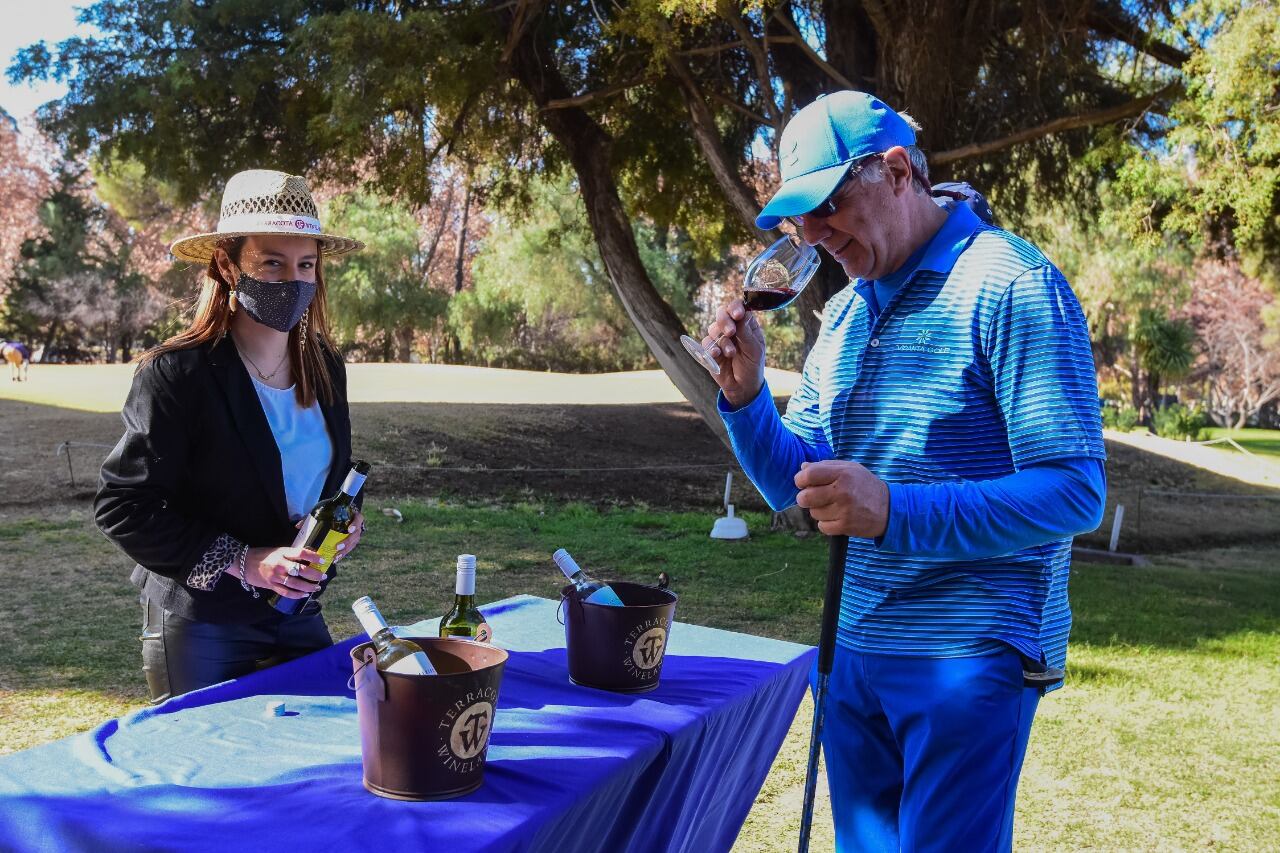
(820, 142)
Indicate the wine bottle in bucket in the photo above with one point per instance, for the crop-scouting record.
(589, 589)
(395, 654)
(464, 619)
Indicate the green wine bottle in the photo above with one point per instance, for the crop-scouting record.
(328, 523)
(463, 619)
(395, 654)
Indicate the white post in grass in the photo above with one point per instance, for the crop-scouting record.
(1115, 526)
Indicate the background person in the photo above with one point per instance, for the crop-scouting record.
(234, 428)
(947, 422)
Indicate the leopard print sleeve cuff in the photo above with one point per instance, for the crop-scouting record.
(218, 556)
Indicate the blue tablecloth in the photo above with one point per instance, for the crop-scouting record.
(569, 768)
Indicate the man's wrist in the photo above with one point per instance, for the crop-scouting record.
(742, 399)
(898, 506)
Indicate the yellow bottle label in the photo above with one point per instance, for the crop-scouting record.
(329, 548)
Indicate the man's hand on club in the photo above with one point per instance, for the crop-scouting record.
(844, 498)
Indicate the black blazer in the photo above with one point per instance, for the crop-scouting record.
(198, 459)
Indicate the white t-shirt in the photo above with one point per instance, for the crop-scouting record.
(306, 450)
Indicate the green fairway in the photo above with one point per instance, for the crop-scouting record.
(1166, 736)
(1263, 442)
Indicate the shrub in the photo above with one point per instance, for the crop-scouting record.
(1118, 417)
(1179, 421)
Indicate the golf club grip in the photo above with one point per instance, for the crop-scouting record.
(839, 549)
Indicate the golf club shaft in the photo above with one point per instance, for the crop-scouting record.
(811, 776)
(838, 550)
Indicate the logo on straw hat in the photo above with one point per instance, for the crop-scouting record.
(264, 202)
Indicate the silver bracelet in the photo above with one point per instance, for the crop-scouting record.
(244, 552)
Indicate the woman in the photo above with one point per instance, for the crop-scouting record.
(234, 429)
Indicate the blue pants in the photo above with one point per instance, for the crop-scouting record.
(924, 753)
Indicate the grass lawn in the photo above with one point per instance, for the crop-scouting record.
(1166, 737)
(1263, 442)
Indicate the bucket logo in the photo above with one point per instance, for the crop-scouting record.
(471, 730)
(645, 646)
(648, 650)
(465, 728)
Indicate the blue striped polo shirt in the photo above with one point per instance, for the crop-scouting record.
(978, 366)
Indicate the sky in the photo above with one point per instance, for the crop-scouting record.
(27, 22)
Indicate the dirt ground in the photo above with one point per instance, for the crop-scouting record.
(659, 455)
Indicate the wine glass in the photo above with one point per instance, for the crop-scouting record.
(774, 280)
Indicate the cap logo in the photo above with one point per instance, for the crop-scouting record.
(791, 156)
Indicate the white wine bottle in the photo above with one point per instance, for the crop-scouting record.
(395, 654)
(463, 619)
(589, 589)
(329, 522)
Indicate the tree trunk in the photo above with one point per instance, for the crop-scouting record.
(1135, 388)
(588, 147)
(462, 238)
(726, 172)
(851, 43)
(807, 82)
(404, 343)
(50, 337)
(433, 244)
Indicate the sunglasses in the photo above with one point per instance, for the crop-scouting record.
(832, 202)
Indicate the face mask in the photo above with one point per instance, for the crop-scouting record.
(278, 304)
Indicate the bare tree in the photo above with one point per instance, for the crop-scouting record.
(23, 183)
(1240, 353)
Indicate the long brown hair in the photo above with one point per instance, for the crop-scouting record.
(212, 321)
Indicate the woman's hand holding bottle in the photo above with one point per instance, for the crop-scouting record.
(353, 539)
(291, 572)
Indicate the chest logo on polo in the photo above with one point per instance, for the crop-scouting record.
(923, 342)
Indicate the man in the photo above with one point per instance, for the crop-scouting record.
(947, 422)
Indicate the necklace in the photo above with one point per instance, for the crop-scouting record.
(258, 370)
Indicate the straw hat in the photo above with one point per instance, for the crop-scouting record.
(264, 201)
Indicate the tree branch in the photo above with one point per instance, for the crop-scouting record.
(732, 45)
(1110, 19)
(830, 71)
(730, 102)
(526, 12)
(1058, 125)
(707, 136)
(729, 12)
(434, 242)
(598, 95)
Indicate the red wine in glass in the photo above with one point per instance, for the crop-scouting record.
(773, 280)
(768, 298)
